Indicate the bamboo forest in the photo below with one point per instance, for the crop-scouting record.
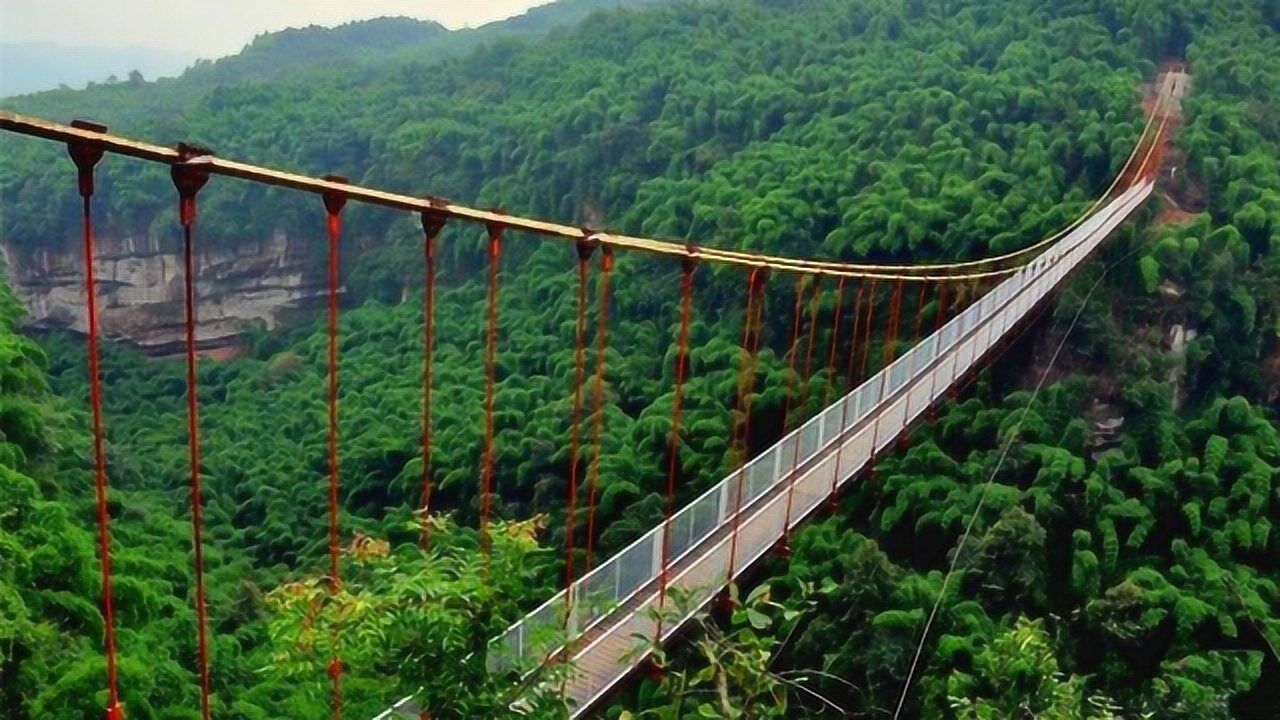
(582, 270)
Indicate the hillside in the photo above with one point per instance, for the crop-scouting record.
(1142, 576)
(354, 47)
(289, 52)
(261, 274)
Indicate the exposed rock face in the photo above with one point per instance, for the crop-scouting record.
(1106, 427)
(1178, 338)
(140, 290)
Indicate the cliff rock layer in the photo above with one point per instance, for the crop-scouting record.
(140, 290)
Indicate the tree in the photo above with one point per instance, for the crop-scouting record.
(731, 672)
(424, 619)
(1017, 675)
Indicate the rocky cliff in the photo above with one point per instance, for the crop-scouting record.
(140, 290)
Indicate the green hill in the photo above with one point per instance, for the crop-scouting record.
(896, 130)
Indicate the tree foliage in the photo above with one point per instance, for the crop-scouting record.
(886, 130)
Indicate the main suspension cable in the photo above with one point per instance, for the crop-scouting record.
(963, 267)
(908, 273)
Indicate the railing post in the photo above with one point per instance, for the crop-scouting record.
(878, 411)
(723, 513)
(571, 621)
(933, 378)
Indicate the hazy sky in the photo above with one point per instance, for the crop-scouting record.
(212, 28)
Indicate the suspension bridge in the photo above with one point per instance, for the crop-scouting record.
(593, 626)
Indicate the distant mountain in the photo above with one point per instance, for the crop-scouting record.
(274, 54)
(387, 40)
(362, 44)
(36, 66)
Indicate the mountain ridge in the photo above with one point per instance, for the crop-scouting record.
(270, 55)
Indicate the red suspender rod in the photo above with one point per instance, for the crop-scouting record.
(585, 249)
(673, 465)
(835, 344)
(895, 318)
(831, 375)
(85, 158)
(431, 228)
(796, 319)
(597, 423)
(490, 358)
(915, 337)
(867, 330)
(333, 204)
(940, 315)
(188, 178)
(814, 305)
(756, 280)
(853, 337)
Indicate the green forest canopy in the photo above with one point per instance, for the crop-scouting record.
(886, 130)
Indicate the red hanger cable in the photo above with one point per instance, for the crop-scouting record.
(431, 228)
(677, 406)
(490, 359)
(86, 157)
(189, 178)
(597, 423)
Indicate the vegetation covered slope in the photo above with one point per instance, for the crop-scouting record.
(1131, 580)
(890, 130)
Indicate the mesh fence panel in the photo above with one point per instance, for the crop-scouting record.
(831, 423)
(596, 595)
(680, 539)
(635, 566)
(809, 441)
(705, 517)
(787, 452)
(760, 476)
